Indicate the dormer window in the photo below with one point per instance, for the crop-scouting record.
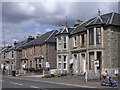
(64, 42)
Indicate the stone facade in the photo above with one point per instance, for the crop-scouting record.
(40, 56)
(93, 48)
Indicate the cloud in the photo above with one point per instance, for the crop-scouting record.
(48, 29)
(20, 19)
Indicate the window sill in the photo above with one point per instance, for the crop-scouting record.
(98, 43)
(74, 47)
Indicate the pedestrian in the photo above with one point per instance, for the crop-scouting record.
(104, 73)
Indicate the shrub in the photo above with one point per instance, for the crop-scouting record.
(52, 75)
(48, 76)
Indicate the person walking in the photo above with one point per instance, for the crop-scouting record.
(104, 73)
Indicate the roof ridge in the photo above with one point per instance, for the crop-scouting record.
(63, 30)
(78, 26)
(91, 21)
(50, 35)
(95, 20)
(108, 20)
(21, 44)
(112, 17)
(100, 19)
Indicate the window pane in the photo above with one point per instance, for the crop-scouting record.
(39, 61)
(59, 58)
(39, 65)
(64, 65)
(59, 65)
(91, 36)
(98, 35)
(64, 39)
(83, 39)
(64, 45)
(64, 58)
(91, 59)
(75, 41)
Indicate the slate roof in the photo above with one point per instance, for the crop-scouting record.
(106, 19)
(16, 47)
(45, 38)
(81, 27)
(66, 30)
(20, 45)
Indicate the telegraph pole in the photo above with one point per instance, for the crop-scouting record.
(3, 41)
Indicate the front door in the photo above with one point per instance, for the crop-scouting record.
(30, 64)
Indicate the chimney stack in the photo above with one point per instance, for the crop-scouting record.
(16, 42)
(30, 38)
(62, 27)
(78, 22)
(38, 35)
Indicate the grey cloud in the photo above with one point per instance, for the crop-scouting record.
(16, 16)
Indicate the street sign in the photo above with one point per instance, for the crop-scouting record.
(47, 64)
(96, 63)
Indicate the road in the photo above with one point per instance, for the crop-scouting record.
(32, 85)
(17, 83)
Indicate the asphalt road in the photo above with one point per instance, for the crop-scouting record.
(18, 84)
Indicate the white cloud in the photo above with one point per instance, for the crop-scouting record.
(48, 29)
(27, 8)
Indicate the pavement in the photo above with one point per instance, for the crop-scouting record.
(72, 81)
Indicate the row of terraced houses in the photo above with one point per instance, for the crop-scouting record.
(89, 46)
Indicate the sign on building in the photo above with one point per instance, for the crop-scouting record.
(47, 64)
(96, 63)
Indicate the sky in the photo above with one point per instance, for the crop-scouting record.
(21, 19)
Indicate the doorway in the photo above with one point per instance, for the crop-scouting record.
(30, 64)
(84, 62)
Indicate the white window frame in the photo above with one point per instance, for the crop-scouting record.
(64, 62)
(59, 62)
(39, 63)
(59, 43)
(65, 42)
(75, 41)
(98, 35)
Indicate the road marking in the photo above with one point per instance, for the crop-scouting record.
(16, 83)
(34, 87)
(84, 86)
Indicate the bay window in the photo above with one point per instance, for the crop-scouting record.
(75, 41)
(64, 62)
(59, 62)
(59, 43)
(98, 35)
(91, 36)
(64, 42)
(83, 39)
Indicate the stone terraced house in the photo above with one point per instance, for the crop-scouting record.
(90, 46)
(40, 53)
(10, 57)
